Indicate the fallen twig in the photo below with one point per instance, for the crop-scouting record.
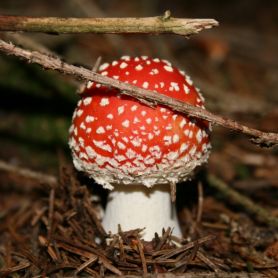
(207, 261)
(86, 264)
(29, 174)
(50, 212)
(184, 247)
(10, 270)
(26, 41)
(234, 196)
(200, 203)
(142, 256)
(163, 240)
(149, 25)
(147, 97)
(196, 275)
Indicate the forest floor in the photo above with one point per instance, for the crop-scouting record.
(50, 223)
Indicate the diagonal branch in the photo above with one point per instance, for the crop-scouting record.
(233, 196)
(149, 25)
(145, 96)
(28, 174)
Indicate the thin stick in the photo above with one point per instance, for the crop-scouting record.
(147, 97)
(29, 174)
(163, 240)
(200, 203)
(149, 25)
(234, 196)
(86, 264)
(142, 256)
(97, 64)
(94, 69)
(28, 42)
(185, 247)
(44, 242)
(50, 213)
(10, 270)
(207, 261)
(196, 274)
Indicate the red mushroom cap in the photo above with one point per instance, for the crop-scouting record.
(116, 139)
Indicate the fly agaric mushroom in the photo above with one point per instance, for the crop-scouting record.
(135, 150)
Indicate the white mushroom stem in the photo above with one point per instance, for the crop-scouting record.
(140, 207)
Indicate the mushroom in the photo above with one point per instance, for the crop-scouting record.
(136, 151)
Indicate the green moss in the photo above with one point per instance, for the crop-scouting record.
(242, 171)
(33, 80)
(249, 267)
